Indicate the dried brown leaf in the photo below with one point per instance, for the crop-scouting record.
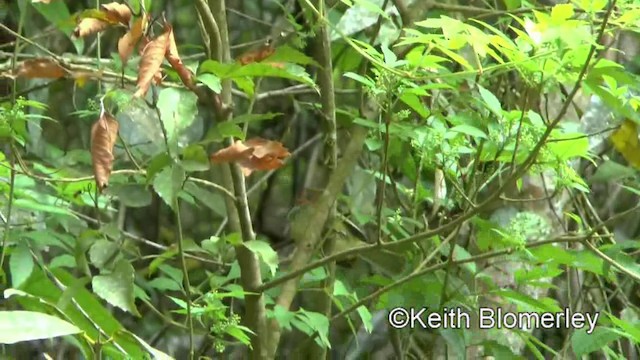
(176, 63)
(152, 57)
(43, 68)
(117, 12)
(128, 41)
(254, 154)
(104, 134)
(88, 26)
(257, 55)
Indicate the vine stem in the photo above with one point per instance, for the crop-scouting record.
(12, 155)
(185, 271)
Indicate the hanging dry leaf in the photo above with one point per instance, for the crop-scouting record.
(104, 133)
(88, 26)
(152, 57)
(254, 154)
(117, 13)
(96, 21)
(43, 68)
(176, 63)
(128, 41)
(257, 55)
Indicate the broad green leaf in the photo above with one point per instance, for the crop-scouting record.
(252, 70)
(239, 332)
(250, 118)
(211, 81)
(103, 252)
(194, 158)
(568, 146)
(178, 109)
(361, 79)
(611, 171)
(40, 286)
(117, 287)
(156, 165)
(583, 343)
(57, 13)
(20, 265)
(264, 252)
(17, 326)
(163, 283)
(318, 323)
(131, 195)
(32, 205)
(212, 200)
(491, 101)
(288, 54)
(469, 130)
(169, 182)
(414, 102)
(157, 354)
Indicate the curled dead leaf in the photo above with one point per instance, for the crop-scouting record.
(43, 68)
(257, 55)
(95, 21)
(128, 41)
(104, 134)
(152, 57)
(176, 63)
(254, 154)
(117, 13)
(89, 26)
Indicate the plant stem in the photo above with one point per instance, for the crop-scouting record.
(185, 271)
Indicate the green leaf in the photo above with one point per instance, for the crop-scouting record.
(265, 252)
(469, 130)
(318, 323)
(157, 354)
(20, 265)
(194, 158)
(491, 101)
(288, 54)
(178, 109)
(131, 195)
(17, 326)
(211, 81)
(117, 288)
(212, 200)
(235, 71)
(249, 118)
(102, 252)
(361, 79)
(169, 182)
(57, 13)
(157, 163)
(414, 102)
(611, 171)
(239, 332)
(568, 146)
(163, 283)
(584, 343)
(28, 204)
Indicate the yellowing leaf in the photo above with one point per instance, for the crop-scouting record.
(625, 140)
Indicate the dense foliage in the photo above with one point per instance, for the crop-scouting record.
(296, 179)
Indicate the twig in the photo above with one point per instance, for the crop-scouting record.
(186, 282)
